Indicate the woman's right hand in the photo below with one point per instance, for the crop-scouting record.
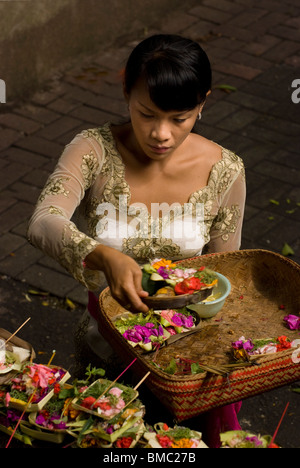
(123, 275)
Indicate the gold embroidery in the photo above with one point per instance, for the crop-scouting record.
(75, 247)
(144, 249)
(54, 186)
(90, 169)
(56, 211)
(226, 221)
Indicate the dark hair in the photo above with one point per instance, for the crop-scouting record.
(177, 71)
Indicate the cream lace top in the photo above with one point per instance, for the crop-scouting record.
(86, 202)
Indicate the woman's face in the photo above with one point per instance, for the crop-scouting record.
(158, 134)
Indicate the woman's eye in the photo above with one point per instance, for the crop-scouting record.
(179, 120)
(146, 116)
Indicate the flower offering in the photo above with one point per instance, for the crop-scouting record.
(163, 277)
(179, 437)
(105, 399)
(151, 331)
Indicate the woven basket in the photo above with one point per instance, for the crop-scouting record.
(264, 288)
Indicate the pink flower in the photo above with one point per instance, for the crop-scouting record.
(115, 391)
(292, 321)
(7, 399)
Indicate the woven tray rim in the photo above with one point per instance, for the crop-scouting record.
(159, 374)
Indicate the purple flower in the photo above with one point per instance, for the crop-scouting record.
(182, 321)
(162, 271)
(292, 321)
(254, 440)
(242, 343)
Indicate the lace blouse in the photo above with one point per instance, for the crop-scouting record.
(86, 202)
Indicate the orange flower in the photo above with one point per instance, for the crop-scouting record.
(163, 263)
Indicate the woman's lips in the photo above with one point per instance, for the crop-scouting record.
(159, 149)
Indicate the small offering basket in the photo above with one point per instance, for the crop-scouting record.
(108, 386)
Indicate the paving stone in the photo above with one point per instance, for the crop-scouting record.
(58, 128)
(46, 279)
(9, 244)
(20, 259)
(91, 115)
(41, 114)
(282, 51)
(18, 122)
(8, 137)
(261, 45)
(40, 145)
(12, 172)
(238, 120)
(18, 155)
(210, 14)
(25, 192)
(14, 215)
(236, 69)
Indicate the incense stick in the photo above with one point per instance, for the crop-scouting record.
(17, 330)
(275, 433)
(26, 406)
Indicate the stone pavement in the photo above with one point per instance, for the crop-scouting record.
(253, 47)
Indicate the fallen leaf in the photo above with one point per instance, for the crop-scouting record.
(287, 250)
(70, 304)
(274, 202)
(226, 88)
(38, 293)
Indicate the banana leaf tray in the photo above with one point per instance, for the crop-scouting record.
(265, 287)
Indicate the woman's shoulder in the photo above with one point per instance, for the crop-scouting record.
(217, 154)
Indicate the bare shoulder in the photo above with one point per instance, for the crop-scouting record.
(205, 148)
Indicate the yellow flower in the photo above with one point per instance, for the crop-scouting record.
(182, 443)
(163, 263)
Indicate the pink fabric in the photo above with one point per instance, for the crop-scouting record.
(214, 421)
(220, 420)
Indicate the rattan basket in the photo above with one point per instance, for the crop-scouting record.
(265, 287)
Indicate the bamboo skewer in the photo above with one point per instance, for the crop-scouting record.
(141, 381)
(11, 336)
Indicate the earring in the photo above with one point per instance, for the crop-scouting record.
(199, 116)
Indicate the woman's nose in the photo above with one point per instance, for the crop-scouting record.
(161, 131)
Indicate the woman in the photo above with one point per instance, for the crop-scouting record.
(120, 177)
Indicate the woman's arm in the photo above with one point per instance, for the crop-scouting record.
(51, 230)
(226, 230)
(123, 275)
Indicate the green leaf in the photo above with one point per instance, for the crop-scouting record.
(274, 202)
(287, 250)
(225, 87)
(171, 368)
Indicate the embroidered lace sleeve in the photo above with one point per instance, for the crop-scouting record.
(51, 228)
(226, 229)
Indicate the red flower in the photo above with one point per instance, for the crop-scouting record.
(88, 401)
(56, 388)
(188, 286)
(124, 442)
(164, 441)
(283, 343)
